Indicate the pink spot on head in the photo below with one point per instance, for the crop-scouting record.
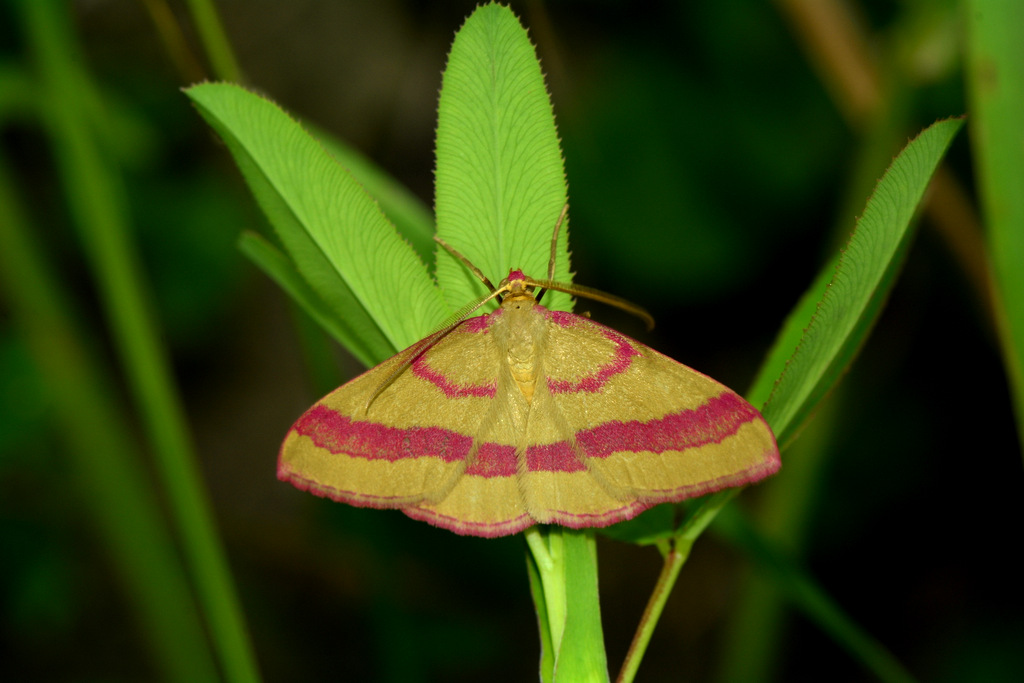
(516, 275)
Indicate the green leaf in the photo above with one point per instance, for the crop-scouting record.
(995, 74)
(411, 217)
(563, 579)
(500, 190)
(333, 230)
(282, 271)
(864, 275)
(789, 336)
(648, 528)
(846, 296)
(810, 598)
(500, 179)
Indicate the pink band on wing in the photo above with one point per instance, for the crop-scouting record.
(593, 383)
(421, 367)
(712, 422)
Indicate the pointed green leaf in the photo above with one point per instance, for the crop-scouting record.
(788, 338)
(648, 528)
(500, 190)
(500, 179)
(282, 271)
(411, 217)
(863, 277)
(333, 231)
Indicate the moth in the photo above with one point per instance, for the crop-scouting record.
(526, 416)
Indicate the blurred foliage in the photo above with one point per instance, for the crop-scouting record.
(910, 514)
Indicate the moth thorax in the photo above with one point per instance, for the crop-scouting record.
(525, 336)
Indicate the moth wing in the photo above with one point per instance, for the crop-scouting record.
(486, 500)
(619, 427)
(412, 443)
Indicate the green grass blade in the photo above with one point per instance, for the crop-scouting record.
(864, 274)
(215, 41)
(809, 597)
(500, 178)
(105, 464)
(995, 79)
(842, 318)
(332, 229)
(92, 188)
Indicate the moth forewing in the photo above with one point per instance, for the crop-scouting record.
(525, 415)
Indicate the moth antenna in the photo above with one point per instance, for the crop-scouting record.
(597, 295)
(466, 262)
(554, 241)
(409, 355)
(441, 331)
(554, 247)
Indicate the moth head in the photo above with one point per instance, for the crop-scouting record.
(517, 287)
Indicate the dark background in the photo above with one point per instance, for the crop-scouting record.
(712, 169)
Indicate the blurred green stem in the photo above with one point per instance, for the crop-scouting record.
(676, 551)
(105, 464)
(98, 210)
(758, 622)
(995, 73)
(215, 41)
(814, 602)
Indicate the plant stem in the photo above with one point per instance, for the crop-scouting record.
(566, 561)
(215, 41)
(676, 552)
(548, 553)
(674, 561)
(994, 75)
